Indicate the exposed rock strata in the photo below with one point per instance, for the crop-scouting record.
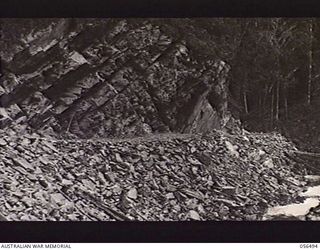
(111, 78)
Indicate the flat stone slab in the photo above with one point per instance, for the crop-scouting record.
(296, 210)
(312, 178)
(23, 163)
(2, 142)
(311, 192)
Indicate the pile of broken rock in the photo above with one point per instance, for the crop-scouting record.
(217, 176)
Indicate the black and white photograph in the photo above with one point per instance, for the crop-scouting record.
(160, 119)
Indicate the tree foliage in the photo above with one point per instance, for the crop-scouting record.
(274, 66)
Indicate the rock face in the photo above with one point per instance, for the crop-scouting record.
(110, 77)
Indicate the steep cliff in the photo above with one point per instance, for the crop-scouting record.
(111, 77)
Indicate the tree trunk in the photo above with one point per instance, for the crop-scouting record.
(272, 104)
(310, 61)
(260, 104)
(245, 101)
(286, 103)
(277, 87)
(277, 100)
(244, 93)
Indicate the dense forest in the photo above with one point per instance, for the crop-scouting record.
(275, 66)
(274, 62)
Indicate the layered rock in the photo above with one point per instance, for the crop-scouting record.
(111, 77)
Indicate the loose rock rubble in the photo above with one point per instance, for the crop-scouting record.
(308, 209)
(216, 176)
